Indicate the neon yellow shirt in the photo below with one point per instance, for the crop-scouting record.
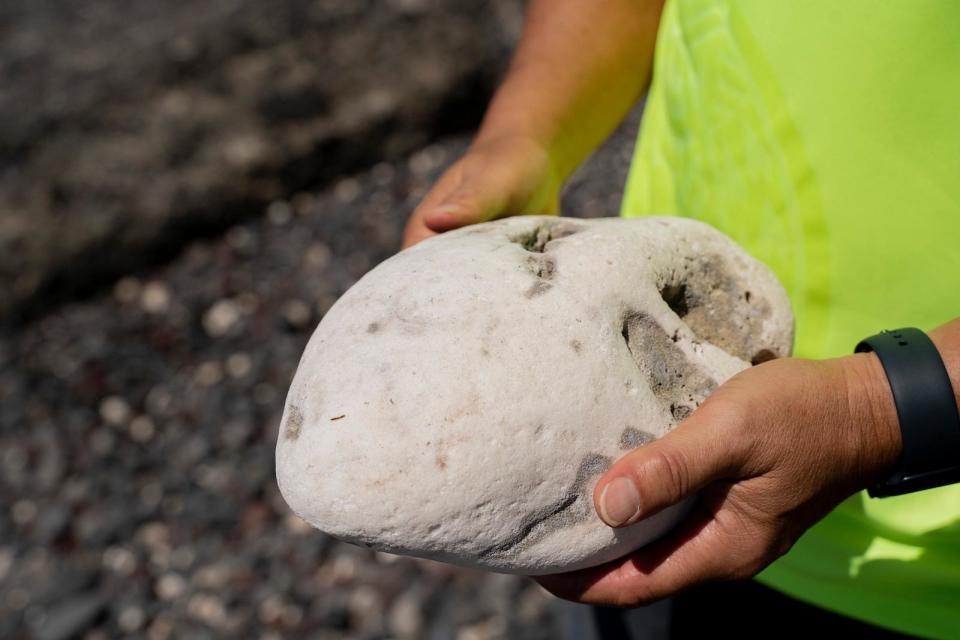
(824, 137)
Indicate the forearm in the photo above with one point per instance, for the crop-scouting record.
(580, 66)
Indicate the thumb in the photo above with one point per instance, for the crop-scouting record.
(664, 472)
(462, 207)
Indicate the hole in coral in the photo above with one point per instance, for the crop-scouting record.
(680, 412)
(536, 240)
(675, 295)
(764, 355)
(542, 266)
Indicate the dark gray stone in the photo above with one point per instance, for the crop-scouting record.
(69, 618)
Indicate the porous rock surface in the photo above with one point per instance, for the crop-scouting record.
(461, 400)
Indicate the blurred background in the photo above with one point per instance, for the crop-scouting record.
(185, 189)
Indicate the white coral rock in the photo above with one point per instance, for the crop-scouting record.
(462, 399)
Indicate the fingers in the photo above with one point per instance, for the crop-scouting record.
(668, 470)
(415, 231)
(708, 546)
(440, 197)
(465, 204)
(499, 176)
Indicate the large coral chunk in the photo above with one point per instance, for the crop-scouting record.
(461, 400)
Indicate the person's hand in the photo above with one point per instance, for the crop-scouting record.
(770, 452)
(497, 177)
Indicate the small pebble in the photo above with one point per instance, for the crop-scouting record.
(347, 190)
(208, 609)
(317, 257)
(208, 373)
(131, 619)
(404, 617)
(296, 313)
(238, 365)
(127, 290)
(142, 429)
(170, 586)
(115, 411)
(119, 560)
(155, 297)
(221, 318)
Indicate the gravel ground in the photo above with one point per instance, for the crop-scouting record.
(126, 125)
(137, 438)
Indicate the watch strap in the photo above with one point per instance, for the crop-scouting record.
(926, 408)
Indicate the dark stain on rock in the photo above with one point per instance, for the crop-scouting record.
(533, 521)
(538, 288)
(665, 365)
(440, 461)
(574, 507)
(591, 464)
(632, 438)
(576, 346)
(373, 327)
(410, 319)
(294, 423)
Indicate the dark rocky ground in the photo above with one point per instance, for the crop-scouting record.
(138, 426)
(141, 394)
(127, 125)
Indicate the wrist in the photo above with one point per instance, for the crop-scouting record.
(873, 417)
(504, 138)
(512, 117)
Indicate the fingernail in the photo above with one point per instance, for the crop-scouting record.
(619, 502)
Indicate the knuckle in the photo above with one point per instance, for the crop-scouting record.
(672, 466)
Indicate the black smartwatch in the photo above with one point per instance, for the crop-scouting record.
(926, 408)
